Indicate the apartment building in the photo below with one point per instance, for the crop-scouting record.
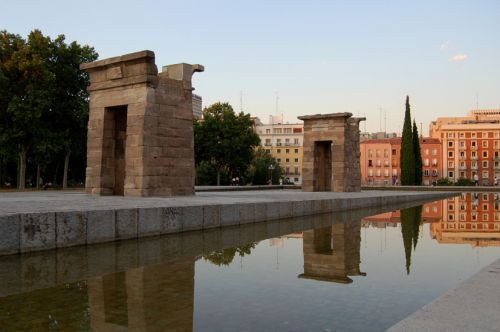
(471, 145)
(285, 143)
(380, 161)
(197, 106)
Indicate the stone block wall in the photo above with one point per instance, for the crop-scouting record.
(153, 154)
(331, 153)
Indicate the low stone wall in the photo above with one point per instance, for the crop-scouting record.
(28, 232)
(478, 189)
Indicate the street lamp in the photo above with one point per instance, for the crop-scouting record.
(271, 167)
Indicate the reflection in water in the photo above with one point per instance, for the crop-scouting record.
(332, 253)
(410, 225)
(153, 298)
(149, 284)
(226, 256)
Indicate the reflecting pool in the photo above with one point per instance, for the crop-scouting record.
(354, 271)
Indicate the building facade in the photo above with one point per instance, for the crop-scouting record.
(471, 145)
(380, 161)
(197, 106)
(285, 143)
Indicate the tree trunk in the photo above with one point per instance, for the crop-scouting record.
(22, 169)
(65, 174)
(38, 176)
(218, 177)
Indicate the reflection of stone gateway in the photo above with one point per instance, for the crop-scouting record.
(332, 253)
(140, 132)
(331, 152)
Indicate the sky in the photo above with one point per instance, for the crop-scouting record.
(312, 57)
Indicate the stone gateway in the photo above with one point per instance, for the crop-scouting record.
(140, 130)
(331, 153)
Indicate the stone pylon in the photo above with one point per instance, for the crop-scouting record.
(331, 153)
(140, 131)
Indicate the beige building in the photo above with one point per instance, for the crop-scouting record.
(470, 145)
(197, 107)
(284, 142)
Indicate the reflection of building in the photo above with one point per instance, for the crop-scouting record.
(380, 161)
(197, 107)
(156, 298)
(471, 145)
(472, 218)
(332, 253)
(283, 142)
(431, 212)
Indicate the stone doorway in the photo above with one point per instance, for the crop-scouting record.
(117, 122)
(323, 165)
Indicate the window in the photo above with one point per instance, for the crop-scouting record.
(393, 152)
(450, 154)
(473, 144)
(426, 172)
(370, 172)
(485, 174)
(296, 179)
(450, 174)
(296, 151)
(473, 135)
(268, 151)
(485, 144)
(485, 154)
(450, 164)
(434, 172)
(268, 131)
(278, 151)
(394, 172)
(370, 153)
(287, 170)
(426, 152)
(474, 216)
(378, 172)
(462, 135)
(386, 153)
(287, 160)
(462, 174)
(278, 160)
(287, 151)
(287, 130)
(473, 165)
(462, 154)
(386, 172)
(451, 217)
(277, 131)
(450, 144)
(278, 142)
(462, 144)
(434, 162)
(268, 142)
(485, 217)
(426, 162)
(296, 160)
(434, 152)
(378, 162)
(473, 154)
(296, 141)
(485, 163)
(287, 141)
(296, 170)
(370, 163)
(485, 207)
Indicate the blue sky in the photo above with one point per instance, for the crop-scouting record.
(318, 56)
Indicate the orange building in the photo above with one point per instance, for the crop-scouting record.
(380, 161)
(471, 145)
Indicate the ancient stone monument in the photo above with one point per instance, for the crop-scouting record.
(140, 131)
(331, 153)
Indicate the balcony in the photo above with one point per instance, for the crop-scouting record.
(278, 144)
(497, 166)
(287, 143)
(473, 167)
(463, 167)
(268, 144)
(473, 157)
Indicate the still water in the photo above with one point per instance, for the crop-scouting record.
(356, 271)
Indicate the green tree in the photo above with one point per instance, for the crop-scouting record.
(407, 157)
(418, 156)
(259, 172)
(225, 139)
(70, 97)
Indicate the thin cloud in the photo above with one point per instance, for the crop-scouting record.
(459, 57)
(445, 46)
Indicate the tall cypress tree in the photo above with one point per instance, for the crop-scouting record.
(418, 155)
(407, 157)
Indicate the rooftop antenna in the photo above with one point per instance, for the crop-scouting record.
(277, 102)
(241, 101)
(380, 119)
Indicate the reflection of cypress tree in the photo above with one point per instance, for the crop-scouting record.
(410, 226)
(416, 224)
(407, 230)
